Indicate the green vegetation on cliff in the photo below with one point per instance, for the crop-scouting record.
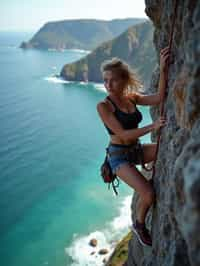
(135, 46)
(120, 254)
(78, 33)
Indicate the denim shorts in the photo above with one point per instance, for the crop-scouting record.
(117, 160)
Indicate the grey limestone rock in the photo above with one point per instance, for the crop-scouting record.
(175, 217)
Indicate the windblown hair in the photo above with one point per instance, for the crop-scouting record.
(121, 68)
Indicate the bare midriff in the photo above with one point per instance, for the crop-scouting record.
(116, 140)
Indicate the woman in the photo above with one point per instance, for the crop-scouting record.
(121, 117)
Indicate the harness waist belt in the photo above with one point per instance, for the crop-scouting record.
(128, 149)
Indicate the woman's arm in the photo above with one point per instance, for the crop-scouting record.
(125, 134)
(155, 99)
(152, 99)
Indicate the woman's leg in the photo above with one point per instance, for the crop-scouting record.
(149, 151)
(131, 176)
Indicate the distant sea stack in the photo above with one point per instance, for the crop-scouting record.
(135, 46)
(84, 34)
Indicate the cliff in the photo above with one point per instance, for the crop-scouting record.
(135, 46)
(78, 33)
(175, 217)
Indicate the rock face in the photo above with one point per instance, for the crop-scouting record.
(175, 217)
(103, 251)
(93, 242)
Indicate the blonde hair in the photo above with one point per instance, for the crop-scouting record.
(132, 82)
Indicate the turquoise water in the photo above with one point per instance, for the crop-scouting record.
(52, 199)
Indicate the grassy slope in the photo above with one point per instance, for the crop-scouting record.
(120, 254)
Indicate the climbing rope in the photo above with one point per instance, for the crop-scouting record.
(166, 77)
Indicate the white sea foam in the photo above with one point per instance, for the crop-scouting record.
(55, 79)
(83, 82)
(80, 50)
(80, 250)
(72, 50)
(8, 46)
(99, 86)
(124, 219)
(52, 49)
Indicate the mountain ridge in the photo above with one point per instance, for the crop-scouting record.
(135, 46)
(78, 33)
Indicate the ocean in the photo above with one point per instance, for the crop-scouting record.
(52, 143)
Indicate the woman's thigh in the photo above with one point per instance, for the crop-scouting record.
(131, 176)
(149, 151)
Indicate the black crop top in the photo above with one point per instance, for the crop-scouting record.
(127, 120)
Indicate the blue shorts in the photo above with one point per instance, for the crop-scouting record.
(117, 160)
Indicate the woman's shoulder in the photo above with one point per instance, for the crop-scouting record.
(102, 102)
(105, 104)
(133, 97)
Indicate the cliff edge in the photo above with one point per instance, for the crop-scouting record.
(175, 217)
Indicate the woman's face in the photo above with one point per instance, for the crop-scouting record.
(113, 82)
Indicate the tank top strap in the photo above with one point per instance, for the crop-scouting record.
(112, 102)
(133, 101)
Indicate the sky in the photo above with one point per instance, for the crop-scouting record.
(25, 15)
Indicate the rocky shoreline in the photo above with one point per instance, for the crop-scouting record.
(119, 255)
